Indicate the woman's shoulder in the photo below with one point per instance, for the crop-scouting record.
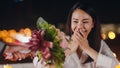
(104, 47)
(103, 43)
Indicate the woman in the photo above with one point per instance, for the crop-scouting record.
(87, 49)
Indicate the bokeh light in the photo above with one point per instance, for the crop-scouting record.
(114, 55)
(103, 36)
(111, 35)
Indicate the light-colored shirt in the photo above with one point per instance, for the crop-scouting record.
(105, 59)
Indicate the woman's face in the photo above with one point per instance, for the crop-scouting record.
(81, 22)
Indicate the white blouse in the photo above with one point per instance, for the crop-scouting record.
(105, 59)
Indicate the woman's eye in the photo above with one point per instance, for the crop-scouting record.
(75, 21)
(85, 22)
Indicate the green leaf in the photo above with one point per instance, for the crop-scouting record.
(39, 55)
(42, 24)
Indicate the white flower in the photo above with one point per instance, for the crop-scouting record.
(37, 63)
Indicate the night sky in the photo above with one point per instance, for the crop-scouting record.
(24, 13)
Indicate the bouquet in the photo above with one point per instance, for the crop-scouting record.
(46, 41)
(49, 42)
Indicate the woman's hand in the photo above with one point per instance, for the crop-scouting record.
(71, 48)
(80, 38)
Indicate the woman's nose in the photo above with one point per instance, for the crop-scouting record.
(79, 26)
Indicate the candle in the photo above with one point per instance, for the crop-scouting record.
(7, 66)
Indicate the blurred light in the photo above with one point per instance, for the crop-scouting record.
(7, 66)
(111, 35)
(114, 55)
(103, 36)
(118, 66)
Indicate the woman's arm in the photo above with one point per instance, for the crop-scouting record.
(92, 53)
(105, 57)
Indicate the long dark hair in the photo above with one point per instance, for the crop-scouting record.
(94, 37)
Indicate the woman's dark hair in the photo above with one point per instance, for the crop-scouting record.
(94, 37)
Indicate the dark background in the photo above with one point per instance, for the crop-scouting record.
(16, 14)
(24, 13)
